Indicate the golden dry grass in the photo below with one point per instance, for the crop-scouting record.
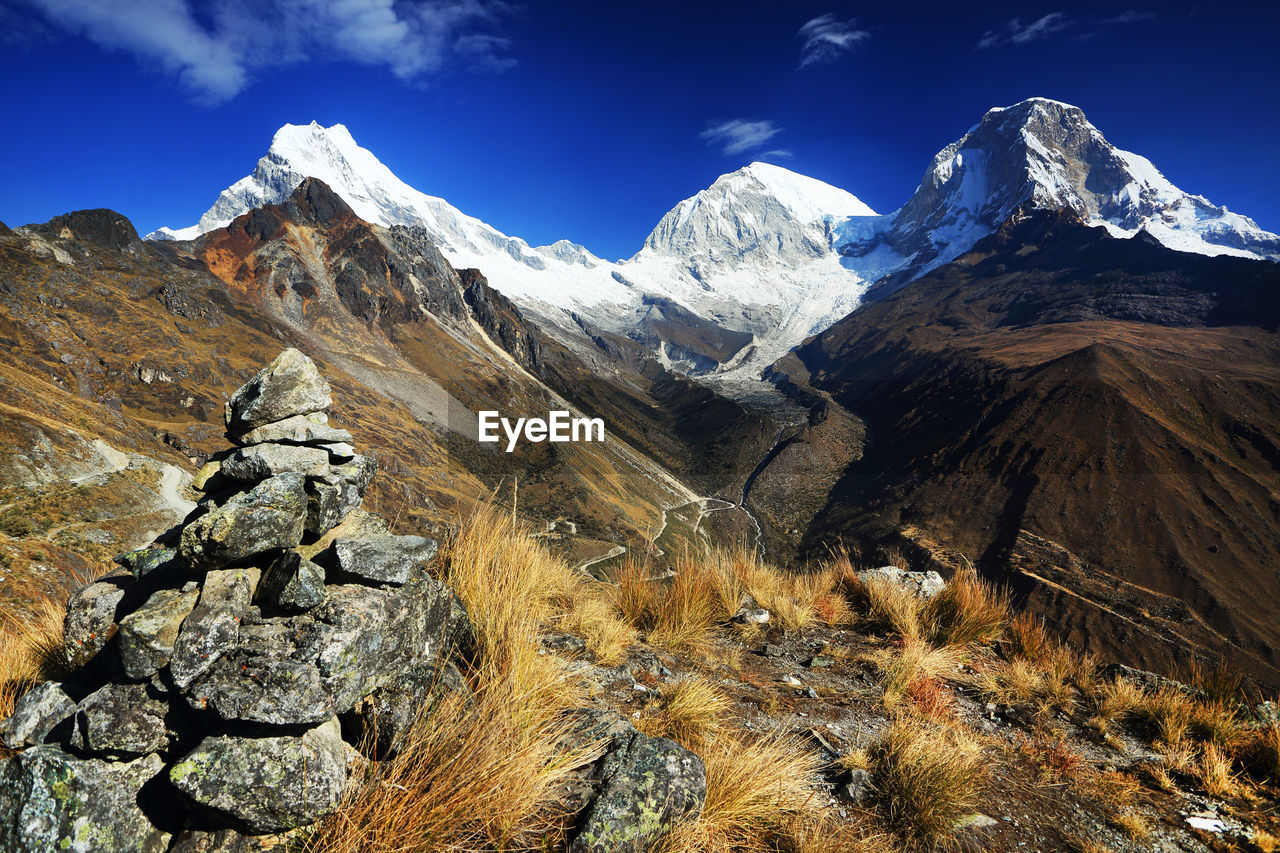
(31, 647)
(488, 776)
(967, 611)
(1263, 841)
(1113, 702)
(926, 780)
(1216, 775)
(1262, 752)
(1134, 826)
(757, 791)
(914, 661)
(887, 606)
(690, 711)
(1167, 713)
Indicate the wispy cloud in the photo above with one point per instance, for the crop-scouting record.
(776, 154)
(738, 135)
(826, 39)
(1018, 31)
(1129, 16)
(215, 50)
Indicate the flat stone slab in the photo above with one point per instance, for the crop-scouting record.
(35, 714)
(147, 634)
(260, 461)
(271, 516)
(299, 429)
(386, 559)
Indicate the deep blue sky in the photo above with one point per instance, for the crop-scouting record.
(588, 119)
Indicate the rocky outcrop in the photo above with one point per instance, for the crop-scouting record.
(209, 673)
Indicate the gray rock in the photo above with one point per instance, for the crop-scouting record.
(214, 623)
(90, 621)
(649, 785)
(293, 584)
(242, 685)
(340, 451)
(270, 516)
(122, 720)
(299, 429)
(385, 559)
(381, 719)
(268, 784)
(751, 616)
(147, 635)
(35, 714)
(358, 473)
(290, 385)
(52, 801)
(260, 461)
(328, 505)
(144, 561)
(858, 789)
(303, 669)
(926, 585)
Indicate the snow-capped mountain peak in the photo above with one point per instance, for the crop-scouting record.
(1046, 154)
(760, 209)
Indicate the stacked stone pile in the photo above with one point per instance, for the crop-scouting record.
(215, 675)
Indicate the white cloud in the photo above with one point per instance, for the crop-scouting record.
(826, 39)
(215, 49)
(1018, 31)
(739, 135)
(1129, 16)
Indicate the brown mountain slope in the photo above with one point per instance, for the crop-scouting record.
(106, 336)
(1097, 420)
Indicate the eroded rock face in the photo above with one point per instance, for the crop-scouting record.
(52, 801)
(384, 559)
(288, 386)
(90, 621)
(35, 714)
(649, 784)
(269, 784)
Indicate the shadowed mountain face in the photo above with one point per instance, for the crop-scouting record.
(1097, 420)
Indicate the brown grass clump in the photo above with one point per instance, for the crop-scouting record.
(1026, 639)
(1053, 756)
(1263, 841)
(1134, 826)
(887, 606)
(930, 698)
(489, 774)
(926, 779)
(1218, 722)
(31, 648)
(968, 610)
(1113, 702)
(1262, 752)
(1216, 776)
(1167, 713)
(757, 791)
(914, 661)
(690, 711)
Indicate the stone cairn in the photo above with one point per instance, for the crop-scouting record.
(215, 676)
(222, 678)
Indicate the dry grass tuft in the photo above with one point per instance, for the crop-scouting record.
(1113, 702)
(1167, 714)
(1216, 776)
(887, 606)
(1262, 752)
(1053, 756)
(968, 610)
(488, 775)
(914, 661)
(689, 711)
(926, 779)
(31, 648)
(1026, 639)
(757, 791)
(1134, 826)
(1263, 841)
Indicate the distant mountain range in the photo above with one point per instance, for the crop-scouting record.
(764, 251)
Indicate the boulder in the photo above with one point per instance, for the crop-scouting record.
(52, 801)
(649, 784)
(271, 516)
(260, 461)
(381, 719)
(214, 623)
(386, 559)
(926, 585)
(90, 621)
(122, 720)
(267, 784)
(262, 688)
(299, 429)
(35, 714)
(290, 385)
(152, 558)
(147, 635)
(293, 584)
